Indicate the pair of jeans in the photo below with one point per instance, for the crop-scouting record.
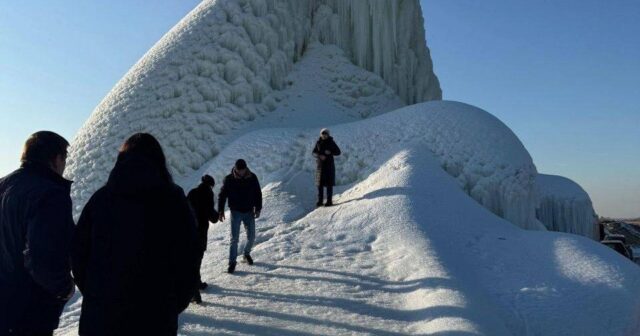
(249, 226)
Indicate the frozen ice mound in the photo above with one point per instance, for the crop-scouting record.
(220, 68)
(565, 206)
(484, 156)
(405, 251)
(401, 211)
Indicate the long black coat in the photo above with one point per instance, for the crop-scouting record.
(36, 227)
(325, 169)
(201, 199)
(135, 254)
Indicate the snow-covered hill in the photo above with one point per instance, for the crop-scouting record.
(487, 160)
(406, 250)
(433, 198)
(221, 68)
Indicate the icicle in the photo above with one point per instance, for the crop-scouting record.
(226, 57)
(564, 206)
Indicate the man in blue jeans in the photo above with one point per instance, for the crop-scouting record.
(242, 189)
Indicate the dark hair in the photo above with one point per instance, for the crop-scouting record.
(43, 147)
(241, 164)
(208, 180)
(146, 146)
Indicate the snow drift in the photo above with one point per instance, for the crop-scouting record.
(565, 206)
(218, 69)
(406, 250)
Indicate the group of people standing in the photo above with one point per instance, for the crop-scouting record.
(136, 251)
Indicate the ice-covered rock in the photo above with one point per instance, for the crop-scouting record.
(565, 206)
(221, 68)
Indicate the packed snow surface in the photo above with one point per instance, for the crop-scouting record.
(406, 250)
(225, 64)
(565, 206)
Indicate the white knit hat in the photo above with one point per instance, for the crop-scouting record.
(324, 130)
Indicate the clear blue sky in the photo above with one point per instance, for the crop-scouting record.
(564, 75)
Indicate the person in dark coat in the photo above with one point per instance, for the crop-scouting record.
(201, 200)
(135, 251)
(36, 227)
(242, 189)
(324, 151)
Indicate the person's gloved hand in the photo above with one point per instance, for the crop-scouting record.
(221, 217)
(256, 214)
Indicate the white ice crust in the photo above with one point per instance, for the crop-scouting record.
(221, 67)
(565, 206)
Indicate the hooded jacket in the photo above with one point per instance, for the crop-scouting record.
(135, 254)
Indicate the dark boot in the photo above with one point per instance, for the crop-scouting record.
(329, 196)
(248, 259)
(232, 268)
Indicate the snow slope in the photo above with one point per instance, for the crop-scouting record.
(565, 206)
(406, 250)
(422, 240)
(223, 66)
(486, 158)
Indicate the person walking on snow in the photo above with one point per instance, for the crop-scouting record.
(324, 151)
(242, 189)
(36, 228)
(201, 199)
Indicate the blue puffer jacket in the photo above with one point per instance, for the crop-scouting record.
(36, 227)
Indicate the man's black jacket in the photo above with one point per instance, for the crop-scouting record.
(243, 192)
(36, 227)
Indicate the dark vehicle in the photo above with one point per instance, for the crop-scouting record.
(619, 237)
(619, 247)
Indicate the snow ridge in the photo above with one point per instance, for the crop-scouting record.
(221, 66)
(484, 156)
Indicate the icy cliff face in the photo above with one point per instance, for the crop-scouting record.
(221, 67)
(385, 37)
(565, 206)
